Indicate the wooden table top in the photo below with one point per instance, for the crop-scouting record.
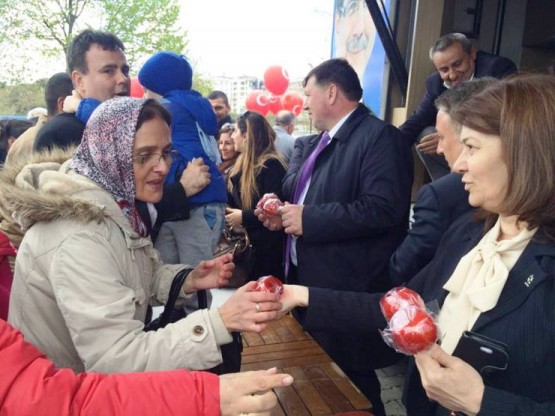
(320, 387)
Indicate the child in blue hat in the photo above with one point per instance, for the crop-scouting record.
(168, 77)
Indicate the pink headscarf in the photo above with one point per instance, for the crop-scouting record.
(106, 150)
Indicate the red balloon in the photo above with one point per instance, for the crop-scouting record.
(257, 101)
(276, 79)
(137, 89)
(293, 102)
(274, 104)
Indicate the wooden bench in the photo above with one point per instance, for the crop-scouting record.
(320, 387)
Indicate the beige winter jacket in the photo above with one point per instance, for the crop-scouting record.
(84, 278)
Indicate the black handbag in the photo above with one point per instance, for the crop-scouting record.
(231, 353)
(236, 240)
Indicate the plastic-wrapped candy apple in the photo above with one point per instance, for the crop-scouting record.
(270, 284)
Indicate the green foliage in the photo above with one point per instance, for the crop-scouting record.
(202, 85)
(144, 26)
(19, 99)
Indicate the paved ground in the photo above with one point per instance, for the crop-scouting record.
(391, 379)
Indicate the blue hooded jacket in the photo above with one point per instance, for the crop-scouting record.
(188, 108)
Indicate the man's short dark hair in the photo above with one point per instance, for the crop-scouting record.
(339, 72)
(82, 43)
(58, 85)
(446, 41)
(214, 95)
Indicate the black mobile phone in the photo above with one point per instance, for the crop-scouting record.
(485, 354)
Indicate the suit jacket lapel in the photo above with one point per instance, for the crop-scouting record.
(524, 277)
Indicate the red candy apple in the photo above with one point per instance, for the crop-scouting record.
(264, 198)
(399, 298)
(412, 330)
(271, 206)
(269, 284)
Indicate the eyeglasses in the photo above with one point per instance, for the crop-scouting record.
(153, 159)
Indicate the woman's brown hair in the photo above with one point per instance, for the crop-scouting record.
(521, 111)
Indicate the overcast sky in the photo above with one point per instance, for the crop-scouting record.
(226, 37)
(244, 37)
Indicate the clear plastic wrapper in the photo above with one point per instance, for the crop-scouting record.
(399, 298)
(270, 204)
(410, 331)
(269, 284)
(411, 324)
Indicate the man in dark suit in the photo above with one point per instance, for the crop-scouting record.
(456, 61)
(442, 201)
(349, 214)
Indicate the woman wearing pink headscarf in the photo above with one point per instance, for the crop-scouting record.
(86, 270)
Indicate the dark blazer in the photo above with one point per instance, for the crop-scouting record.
(523, 319)
(438, 205)
(268, 245)
(487, 65)
(355, 215)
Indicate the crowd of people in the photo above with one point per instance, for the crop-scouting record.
(107, 198)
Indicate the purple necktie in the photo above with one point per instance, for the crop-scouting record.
(304, 176)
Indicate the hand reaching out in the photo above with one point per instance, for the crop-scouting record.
(272, 223)
(250, 392)
(210, 274)
(247, 310)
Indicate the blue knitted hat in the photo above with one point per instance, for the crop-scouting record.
(166, 71)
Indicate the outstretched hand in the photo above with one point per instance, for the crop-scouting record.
(250, 392)
(210, 274)
(293, 296)
(272, 223)
(248, 310)
(450, 381)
